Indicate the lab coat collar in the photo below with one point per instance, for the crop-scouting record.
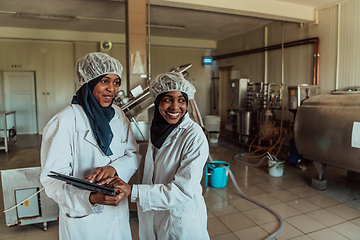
(175, 133)
(82, 124)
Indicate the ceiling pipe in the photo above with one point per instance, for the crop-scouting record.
(314, 41)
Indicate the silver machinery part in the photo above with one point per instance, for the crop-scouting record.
(297, 94)
(325, 130)
(245, 119)
(237, 90)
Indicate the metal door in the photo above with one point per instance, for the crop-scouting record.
(20, 97)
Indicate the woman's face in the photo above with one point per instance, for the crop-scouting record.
(106, 89)
(172, 106)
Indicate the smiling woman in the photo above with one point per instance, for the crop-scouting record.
(169, 200)
(173, 106)
(105, 90)
(91, 139)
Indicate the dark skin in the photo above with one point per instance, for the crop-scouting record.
(104, 199)
(100, 198)
(118, 184)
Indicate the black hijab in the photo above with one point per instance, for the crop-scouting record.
(160, 128)
(99, 117)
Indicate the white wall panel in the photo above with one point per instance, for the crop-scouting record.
(52, 63)
(326, 30)
(349, 70)
(251, 66)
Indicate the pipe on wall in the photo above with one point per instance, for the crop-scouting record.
(282, 54)
(314, 41)
(266, 56)
(338, 49)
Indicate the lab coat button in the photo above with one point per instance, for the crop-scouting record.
(116, 219)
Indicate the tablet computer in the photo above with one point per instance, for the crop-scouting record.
(83, 184)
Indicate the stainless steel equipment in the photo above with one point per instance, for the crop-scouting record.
(135, 106)
(246, 125)
(297, 94)
(327, 130)
(237, 90)
(20, 184)
(141, 130)
(244, 122)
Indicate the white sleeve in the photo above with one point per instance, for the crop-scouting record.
(127, 164)
(56, 155)
(186, 182)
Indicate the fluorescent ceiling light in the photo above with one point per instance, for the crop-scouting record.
(71, 18)
(44, 16)
(154, 25)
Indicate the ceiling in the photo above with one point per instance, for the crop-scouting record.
(108, 16)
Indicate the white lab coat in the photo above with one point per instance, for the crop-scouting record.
(69, 147)
(170, 202)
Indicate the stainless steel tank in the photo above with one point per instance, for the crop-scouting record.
(244, 122)
(325, 130)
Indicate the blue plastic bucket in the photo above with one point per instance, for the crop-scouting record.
(217, 174)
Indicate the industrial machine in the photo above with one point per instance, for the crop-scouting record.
(237, 90)
(254, 105)
(327, 131)
(20, 184)
(298, 94)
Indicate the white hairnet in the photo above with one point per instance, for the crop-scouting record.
(94, 65)
(171, 81)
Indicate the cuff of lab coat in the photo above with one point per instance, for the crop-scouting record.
(96, 208)
(134, 193)
(144, 198)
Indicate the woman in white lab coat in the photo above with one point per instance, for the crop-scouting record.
(170, 202)
(90, 139)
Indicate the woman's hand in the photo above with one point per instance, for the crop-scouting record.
(104, 199)
(118, 184)
(101, 173)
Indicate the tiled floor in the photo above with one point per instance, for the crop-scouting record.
(307, 213)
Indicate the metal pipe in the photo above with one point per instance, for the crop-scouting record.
(282, 54)
(317, 62)
(138, 128)
(314, 65)
(266, 56)
(148, 39)
(314, 41)
(269, 48)
(338, 49)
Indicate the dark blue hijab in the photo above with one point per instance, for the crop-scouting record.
(99, 117)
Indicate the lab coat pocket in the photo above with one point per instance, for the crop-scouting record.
(186, 224)
(72, 224)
